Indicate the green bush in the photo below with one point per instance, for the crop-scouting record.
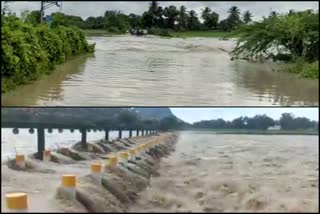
(310, 70)
(29, 51)
(305, 69)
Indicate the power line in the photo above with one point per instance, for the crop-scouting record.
(47, 4)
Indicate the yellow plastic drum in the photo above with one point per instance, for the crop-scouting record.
(96, 168)
(69, 180)
(113, 161)
(17, 201)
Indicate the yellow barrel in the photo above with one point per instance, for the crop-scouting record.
(141, 148)
(124, 155)
(19, 159)
(69, 180)
(132, 152)
(113, 160)
(17, 201)
(144, 146)
(96, 168)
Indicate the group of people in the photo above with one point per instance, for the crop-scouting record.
(138, 32)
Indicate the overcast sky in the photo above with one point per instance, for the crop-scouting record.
(196, 114)
(97, 8)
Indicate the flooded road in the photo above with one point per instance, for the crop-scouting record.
(236, 173)
(128, 70)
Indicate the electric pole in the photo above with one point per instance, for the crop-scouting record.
(47, 4)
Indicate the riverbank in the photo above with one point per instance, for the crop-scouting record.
(120, 185)
(257, 132)
(31, 51)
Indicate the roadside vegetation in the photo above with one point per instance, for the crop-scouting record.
(292, 38)
(30, 49)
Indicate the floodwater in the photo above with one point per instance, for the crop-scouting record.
(236, 173)
(153, 71)
(26, 143)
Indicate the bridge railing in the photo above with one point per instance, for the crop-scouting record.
(40, 127)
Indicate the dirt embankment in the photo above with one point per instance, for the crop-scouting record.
(119, 187)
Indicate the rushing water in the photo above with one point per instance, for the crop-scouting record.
(129, 70)
(26, 143)
(236, 173)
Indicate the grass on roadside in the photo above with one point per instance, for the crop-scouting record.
(99, 32)
(207, 34)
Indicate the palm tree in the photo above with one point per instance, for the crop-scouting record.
(273, 14)
(171, 13)
(193, 20)
(234, 16)
(153, 7)
(247, 17)
(182, 18)
(153, 11)
(205, 13)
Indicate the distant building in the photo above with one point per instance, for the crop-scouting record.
(276, 127)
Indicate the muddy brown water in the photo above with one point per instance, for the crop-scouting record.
(128, 70)
(236, 173)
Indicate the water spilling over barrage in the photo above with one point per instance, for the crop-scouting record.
(129, 70)
(236, 173)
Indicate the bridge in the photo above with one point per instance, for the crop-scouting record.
(41, 126)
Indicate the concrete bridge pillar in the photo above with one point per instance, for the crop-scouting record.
(41, 142)
(130, 133)
(106, 135)
(120, 134)
(83, 137)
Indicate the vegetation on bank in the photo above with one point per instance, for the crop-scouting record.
(156, 19)
(256, 124)
(207, 34)
(292, 37)
(260, 132)
(98, 32)
(31, 50)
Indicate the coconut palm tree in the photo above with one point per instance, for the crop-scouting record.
(234, 16)
(182, 19)
(247, 17)
(205, 13)
(193, 21)
(171, 13)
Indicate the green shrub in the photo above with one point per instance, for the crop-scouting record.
(29, 51)
(310, 70)
(304, 69)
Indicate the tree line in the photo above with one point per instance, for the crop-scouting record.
(287, 121)
(170, 17)
(130, 119)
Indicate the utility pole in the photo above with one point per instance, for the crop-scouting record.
(41, 11)
(47, 4)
